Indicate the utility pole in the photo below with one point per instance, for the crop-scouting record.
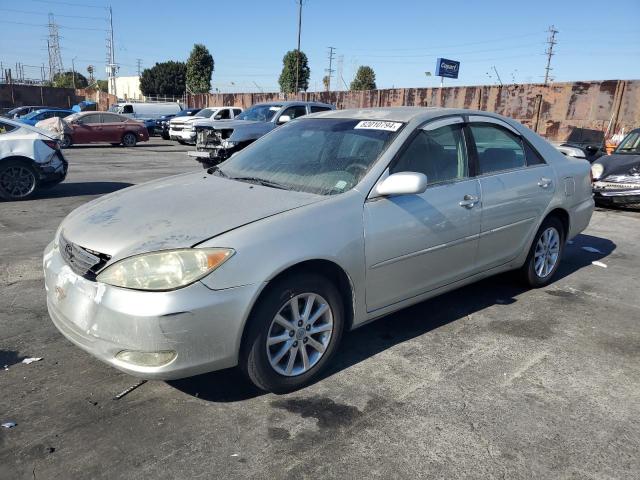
(298, 50)
(551, 41)
(139, 65)
(73, 71)
(111, 57)
(330, 70)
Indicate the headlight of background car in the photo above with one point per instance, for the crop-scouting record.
(164, 270)
(228, 144)
(596, 171)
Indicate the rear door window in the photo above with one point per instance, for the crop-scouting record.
(236, 112)
(317, 108)
(498, 149)
(89, 119)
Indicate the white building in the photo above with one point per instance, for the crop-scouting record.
(127, 88)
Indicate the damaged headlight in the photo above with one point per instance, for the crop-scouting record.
(228, 144)
(164, 270)
(596, 171)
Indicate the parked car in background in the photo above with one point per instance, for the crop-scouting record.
(617, 176)
(162, 125)
(20, 111)
(215, 142)
(144, 111)
(182, 128)
(103, 127)
(43, 114)
(319, 227)
(30, 159)
(587, 152)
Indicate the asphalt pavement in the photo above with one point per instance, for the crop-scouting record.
(490, 381)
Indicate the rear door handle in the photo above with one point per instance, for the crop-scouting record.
(469, 201)
(544, 182)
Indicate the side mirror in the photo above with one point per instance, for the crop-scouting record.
(217, 117)
(284, 119)
(402, 183)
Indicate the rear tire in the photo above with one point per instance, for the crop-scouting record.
(317, 331)
(18, 180)
(129, 140)
(545, 254)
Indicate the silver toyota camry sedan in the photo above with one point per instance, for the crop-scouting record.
(324, 224)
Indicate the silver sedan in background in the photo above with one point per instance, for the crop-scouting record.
(319, 227)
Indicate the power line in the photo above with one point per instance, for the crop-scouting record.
(58, 15)
(551, 41)
(46, 25)
(70, 4)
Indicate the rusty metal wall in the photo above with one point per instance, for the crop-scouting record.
(580, 111)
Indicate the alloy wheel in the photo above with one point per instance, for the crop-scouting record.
(547, 252)
(17, 181)
(299, 334)
(129, 140)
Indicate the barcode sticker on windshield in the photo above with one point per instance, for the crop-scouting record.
(378, 125)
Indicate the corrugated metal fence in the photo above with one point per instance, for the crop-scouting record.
(578, 111)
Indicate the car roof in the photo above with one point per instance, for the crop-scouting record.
(26, 126)
(288, 103)
(399, 114)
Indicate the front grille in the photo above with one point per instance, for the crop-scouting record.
(176, 128)
(84, 262)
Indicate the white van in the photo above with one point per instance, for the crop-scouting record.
(145, 111)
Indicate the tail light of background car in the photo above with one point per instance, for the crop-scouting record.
(53, 144)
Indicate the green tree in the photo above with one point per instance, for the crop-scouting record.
(103, 85)
(365, 79)
(166, 78)
(287, 78)
(65, 80)
(199, 69)
(326, 82)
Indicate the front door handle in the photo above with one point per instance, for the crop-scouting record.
(469, 201)
(544, 182)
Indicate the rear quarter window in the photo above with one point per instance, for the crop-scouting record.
(6, 128)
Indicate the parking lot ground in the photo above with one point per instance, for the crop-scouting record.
(490, 381)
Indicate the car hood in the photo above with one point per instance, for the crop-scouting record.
(186, 120)
(242, 129)
(174, 212)
(619, 164)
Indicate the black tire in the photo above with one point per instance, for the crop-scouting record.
(528, 271)
(165, 136)
(129, 139)
(254, 361)
(182, 142)
(66, 141)
(18, 180)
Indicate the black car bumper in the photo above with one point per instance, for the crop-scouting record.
(617, 197)
(55, 172)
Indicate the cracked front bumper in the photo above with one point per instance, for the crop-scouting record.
(203, 326)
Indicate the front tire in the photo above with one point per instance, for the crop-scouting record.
(545, 254)
(18, 180)
(129, 140)
(293, 333)
(66, 141)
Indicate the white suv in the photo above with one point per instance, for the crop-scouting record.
(182, 128)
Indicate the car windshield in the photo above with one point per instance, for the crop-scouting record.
(185, 113)
(33, 114)
(259, 113)
(206, 112)
(630, 144)
(325, 156)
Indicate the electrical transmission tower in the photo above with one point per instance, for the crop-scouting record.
(551, 41)
(330, 70)
(112, 67)
(53, 46)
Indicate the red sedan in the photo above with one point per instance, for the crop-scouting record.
(103, 127)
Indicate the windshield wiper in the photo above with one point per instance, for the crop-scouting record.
(218, 170)
(262, 181)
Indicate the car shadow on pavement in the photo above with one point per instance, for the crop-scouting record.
(417, 320)
(78, 189)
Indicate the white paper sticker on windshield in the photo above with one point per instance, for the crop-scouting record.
(378, 125)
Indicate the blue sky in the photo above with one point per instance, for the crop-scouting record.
(399, 39)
